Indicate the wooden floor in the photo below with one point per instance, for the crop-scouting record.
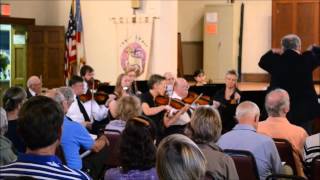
(255, 86)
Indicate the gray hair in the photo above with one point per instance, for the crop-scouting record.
(291, 41)
(32, 80)
(205, 125)
(179, 158)
(128, 107)
(232, 72)
(276, 101)
(55, 95)
(67, 93)
(247, 109)
(3, 121)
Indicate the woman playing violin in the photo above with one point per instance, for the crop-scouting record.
(157, 87)
(227, 99)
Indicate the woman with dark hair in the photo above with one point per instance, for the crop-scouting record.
(137, 152)
(200, 77)
(12, 101)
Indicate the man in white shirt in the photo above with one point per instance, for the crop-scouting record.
(84, 112)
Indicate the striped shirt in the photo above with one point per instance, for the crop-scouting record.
(311, 148)
(41, 167)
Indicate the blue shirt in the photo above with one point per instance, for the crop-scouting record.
(244, 137)
(116, 174)
(74, 136)
(40, 167)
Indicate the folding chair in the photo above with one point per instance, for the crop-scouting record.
(245, 164)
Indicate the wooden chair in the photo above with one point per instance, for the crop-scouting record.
(245, 164)
(286, 153)
(315, 168)
(113, 150)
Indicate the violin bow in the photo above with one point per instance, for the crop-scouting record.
(200, 95)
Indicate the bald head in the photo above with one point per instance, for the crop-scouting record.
(248, 112)
(34, 83)
(277, 103)
(181, 87)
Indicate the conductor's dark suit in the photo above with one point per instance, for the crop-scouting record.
(293, 72)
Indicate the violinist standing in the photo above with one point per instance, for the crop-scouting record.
(290, 69)
(157, 87)
(227, 99)
(87, 74)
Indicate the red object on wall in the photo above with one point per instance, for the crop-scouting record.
(5, 9)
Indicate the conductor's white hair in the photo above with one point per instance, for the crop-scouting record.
(32, 80)
(247, 109)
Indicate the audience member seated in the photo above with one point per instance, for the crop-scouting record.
(200, 77)
(137, 152)
(122, 88)
(34, 86)
(244, 137)
(170, 79)
(12, 101)
(7, 155)
(40, 126)
(128, 107)
(179, 158)
(277, 125)
(205, 129)
(74, 136)
(227, 99)
(311, 149)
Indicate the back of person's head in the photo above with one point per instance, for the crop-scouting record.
(3, 121)
(179, 158)
(67, 93)
(55, 95)
(13, 97)
(136, 147)
(277, 103)
(291, 41)
(128, 107)
(75, 79)
(39, 123)
(155, 79)
(205, 125)
(248, 112)
(85, 69)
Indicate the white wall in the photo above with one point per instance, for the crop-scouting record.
(257, 27)
(99, 30)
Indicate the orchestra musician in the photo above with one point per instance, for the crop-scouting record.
(170, 79)
(132, 72)
(227, 99)
(87, 112)
(200, 77)
(87, 74)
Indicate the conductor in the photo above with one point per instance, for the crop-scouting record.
(290, 69)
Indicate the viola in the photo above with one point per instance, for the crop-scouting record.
(173, 102)
(198, 99)
(100, 97)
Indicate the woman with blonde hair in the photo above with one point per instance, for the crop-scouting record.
(205, 129)
(127, 107)
(179, 158)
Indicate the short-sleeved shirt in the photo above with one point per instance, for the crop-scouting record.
(245, 137)
(157, 118)
(74, 136)
(41, 167)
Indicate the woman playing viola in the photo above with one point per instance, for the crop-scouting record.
(227, 99)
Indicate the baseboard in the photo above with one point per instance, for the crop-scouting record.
(255, 77)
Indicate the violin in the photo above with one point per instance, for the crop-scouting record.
(93, 84)
(198, 99)
(100, 97)
(173, 102)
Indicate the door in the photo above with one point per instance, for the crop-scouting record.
(18, 55)
(46, 54)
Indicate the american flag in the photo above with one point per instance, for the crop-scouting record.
(79, 36)
(71, 45)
